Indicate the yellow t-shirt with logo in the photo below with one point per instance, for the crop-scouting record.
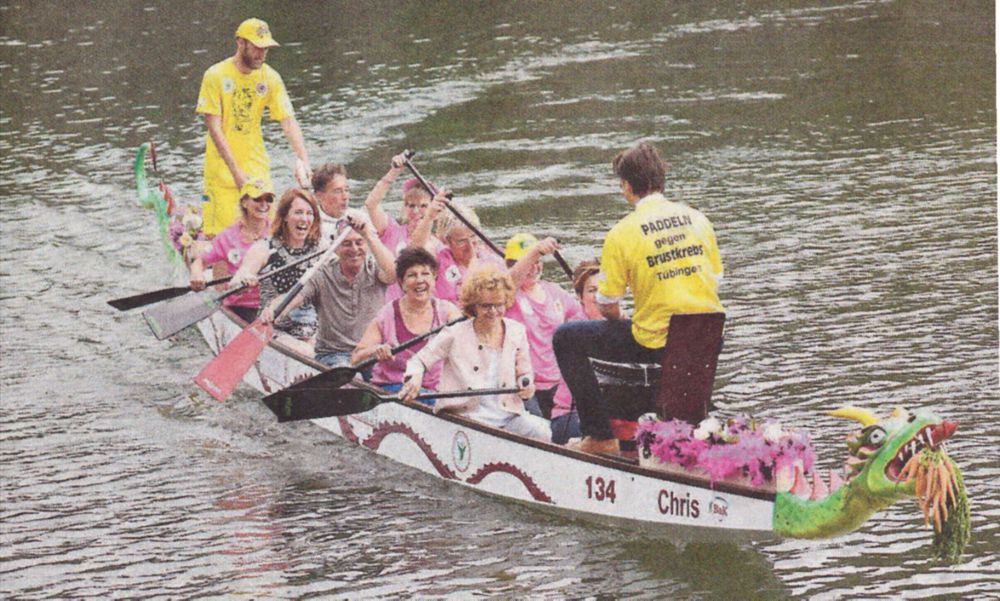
(666, 254)
(240, 99)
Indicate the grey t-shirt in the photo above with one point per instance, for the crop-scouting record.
(344, 310)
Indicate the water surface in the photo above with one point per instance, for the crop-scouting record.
(846, 153)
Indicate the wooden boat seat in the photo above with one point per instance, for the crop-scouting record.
(689, 358)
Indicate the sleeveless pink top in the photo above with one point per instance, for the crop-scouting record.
(394, 333)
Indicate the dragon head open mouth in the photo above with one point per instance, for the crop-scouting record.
(899, 456)
(930, 436)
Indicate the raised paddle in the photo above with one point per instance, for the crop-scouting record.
(433, 192)
(167, 319)
(225, 371)
(332, 379)
(319, 402)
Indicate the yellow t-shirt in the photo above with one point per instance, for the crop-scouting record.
(240, 100)
(665, 253)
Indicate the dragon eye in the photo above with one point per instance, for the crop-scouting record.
(874, 436)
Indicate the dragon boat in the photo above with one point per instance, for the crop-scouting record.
(892, 458)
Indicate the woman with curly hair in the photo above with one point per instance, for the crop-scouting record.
(404, 319)
(487, 351)
(461, 251)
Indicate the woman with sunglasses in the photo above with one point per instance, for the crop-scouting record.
(231, 245)
(486, 351)
(294, 234)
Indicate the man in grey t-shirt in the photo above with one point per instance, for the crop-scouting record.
(348, 292)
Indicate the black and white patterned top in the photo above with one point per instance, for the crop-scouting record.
(301, 322)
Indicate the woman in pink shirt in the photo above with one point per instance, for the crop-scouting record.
(585, 285)
(231, 245)
(542, 307)
(396, 235)
(487, 351)
(416, 313)
(462, 250)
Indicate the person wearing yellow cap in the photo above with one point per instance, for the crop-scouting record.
(542, 307)
(234, 93)
(229, 248)
(665, 253)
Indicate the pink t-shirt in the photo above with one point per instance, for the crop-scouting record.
(541, 319)
(389, 321)
(561, 401)
(230, 247)
(394, 236)
(451, 275)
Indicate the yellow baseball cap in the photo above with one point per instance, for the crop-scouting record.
(518, 246)
(257, 33)
(254, 190)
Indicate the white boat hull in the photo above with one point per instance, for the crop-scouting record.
(498, 463)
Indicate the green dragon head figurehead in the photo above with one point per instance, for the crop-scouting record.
(881, 448)
(872, 480)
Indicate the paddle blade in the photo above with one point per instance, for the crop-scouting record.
(327, 380)
(147, 298)
(320, 401)
(169, 318)
(225, 371)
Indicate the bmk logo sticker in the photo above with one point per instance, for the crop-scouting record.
(719, 509)
(461, 452)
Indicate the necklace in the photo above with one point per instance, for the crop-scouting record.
(249, 234)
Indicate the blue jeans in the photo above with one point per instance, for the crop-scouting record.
(565, 427)
(341, 360)
(574, 344)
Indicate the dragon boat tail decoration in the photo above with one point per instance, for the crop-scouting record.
(900, 456)
(179, 228)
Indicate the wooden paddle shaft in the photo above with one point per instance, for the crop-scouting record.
(433, 191)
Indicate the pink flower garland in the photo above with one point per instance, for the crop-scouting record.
(744, 447)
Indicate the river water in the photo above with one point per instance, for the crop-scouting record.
(846, 153)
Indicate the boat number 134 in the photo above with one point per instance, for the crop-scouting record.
(600, 490)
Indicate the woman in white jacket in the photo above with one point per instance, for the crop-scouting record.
(487, 351)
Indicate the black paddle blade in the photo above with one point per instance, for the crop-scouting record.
(169, 318)
(147, 298)
(327, 380)
(316, 402)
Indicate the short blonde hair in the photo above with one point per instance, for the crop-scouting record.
(447, 220)
(485, 279)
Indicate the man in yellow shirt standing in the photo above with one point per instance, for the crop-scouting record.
(665, 253)
(233, 96)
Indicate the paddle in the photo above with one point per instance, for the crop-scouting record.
(225, 371)
(167, 319)
(332, 379)
(155, 296)
(318, 402)
(432, 191)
